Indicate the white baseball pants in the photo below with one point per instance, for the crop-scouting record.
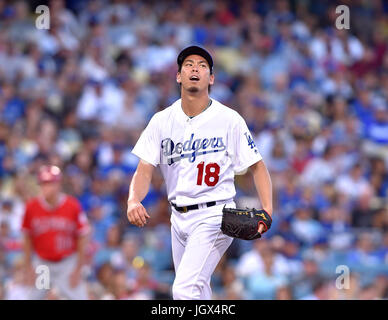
(197, 246)
(59, 277)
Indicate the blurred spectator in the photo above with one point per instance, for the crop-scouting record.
(15, 288)
(380, 221)
(104, 276)
(376, 131)
(111, 245)
(264, 284)
(146, 287)
(320, 169)
(302, 284)
(11, 212)
(130, 117)
(101, 221)
(289, 248)
(232, 287)
(289, 196)
(362, 257)
(305, 227)
(10, 243)
(362, 214)
(100, 102)
(378, 177)
(124, 259)
(370, 291)
(120, 288)
(320, 290)
(354, 185)
(252, 261)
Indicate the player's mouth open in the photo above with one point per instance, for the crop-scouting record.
(194, 78)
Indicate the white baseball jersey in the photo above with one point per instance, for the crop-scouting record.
(198, 156)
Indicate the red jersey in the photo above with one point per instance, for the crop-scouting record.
(54, 231)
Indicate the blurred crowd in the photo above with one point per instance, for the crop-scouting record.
(315, 98)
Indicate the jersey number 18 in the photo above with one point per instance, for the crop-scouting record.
(212, 171)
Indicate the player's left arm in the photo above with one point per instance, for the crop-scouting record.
(75, 276)
(263, 185)
(83, 231)
(81, 250)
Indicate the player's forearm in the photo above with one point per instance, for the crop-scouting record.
(263, 185)
(81, 251)
(27, 250)
(140, 185)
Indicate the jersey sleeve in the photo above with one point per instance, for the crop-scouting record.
(147, 147)
(82, 222)
(245, 152)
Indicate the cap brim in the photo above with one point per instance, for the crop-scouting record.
(195, 50)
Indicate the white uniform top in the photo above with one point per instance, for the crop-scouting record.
(198, 157)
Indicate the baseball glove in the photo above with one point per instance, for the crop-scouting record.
(244, 223)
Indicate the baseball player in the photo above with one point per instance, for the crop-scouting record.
(55, 229)
(199, 145)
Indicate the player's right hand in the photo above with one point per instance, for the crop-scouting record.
(29, 275)
(137, 214)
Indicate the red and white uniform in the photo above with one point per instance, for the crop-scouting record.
(54, 231)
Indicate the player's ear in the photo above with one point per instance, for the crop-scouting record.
(178, 77)
(211, 82)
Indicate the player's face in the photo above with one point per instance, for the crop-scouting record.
(195, 74)
(50, 189)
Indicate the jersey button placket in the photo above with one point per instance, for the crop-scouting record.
(187, 135)
(183, 163)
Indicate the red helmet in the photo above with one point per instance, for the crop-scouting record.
(49, 174)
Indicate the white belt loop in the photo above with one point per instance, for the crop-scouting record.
(223, 201)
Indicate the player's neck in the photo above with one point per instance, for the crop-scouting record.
(53, 201)
(193, 105)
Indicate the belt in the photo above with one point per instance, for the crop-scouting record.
(192, 207)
